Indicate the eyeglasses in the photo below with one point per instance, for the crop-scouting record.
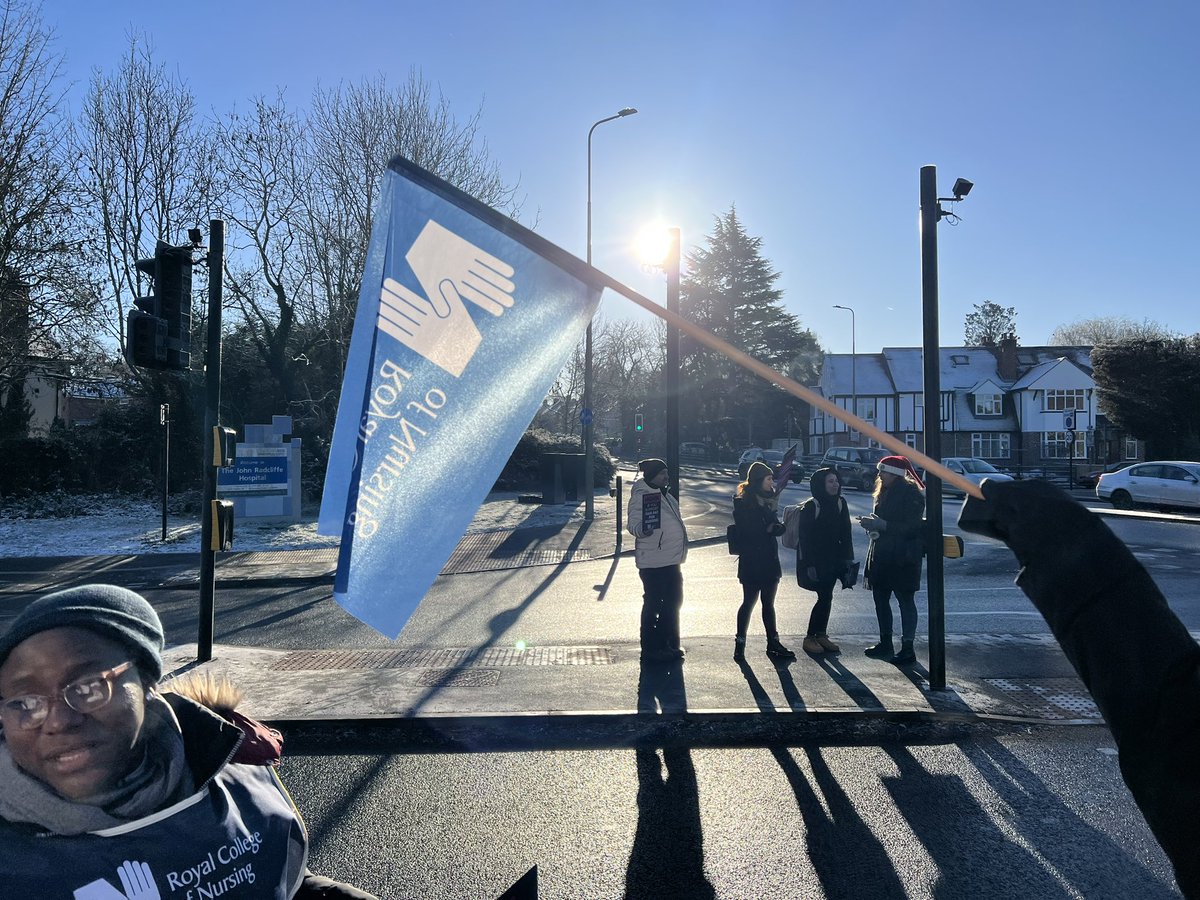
(86, 695)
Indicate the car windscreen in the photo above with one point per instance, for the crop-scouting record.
(979, 467)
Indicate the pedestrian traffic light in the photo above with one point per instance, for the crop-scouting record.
(637, 422)
(158, 334)
(222, 526)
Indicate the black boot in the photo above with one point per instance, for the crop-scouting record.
(882, 650)
(739, 649)
(906, 656)
(776, 649)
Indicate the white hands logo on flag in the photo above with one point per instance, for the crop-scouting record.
(450, 271)
(137, 881)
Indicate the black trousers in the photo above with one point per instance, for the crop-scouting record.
(750, 595)
(818, 620)
(662, 596)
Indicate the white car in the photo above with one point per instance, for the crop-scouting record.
(973, 469)
(1160, 483)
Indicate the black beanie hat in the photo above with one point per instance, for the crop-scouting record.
(816, 483)
(651, 467)
(116, 613)
(757, 472)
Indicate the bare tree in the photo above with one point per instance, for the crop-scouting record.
(1102, 330)
(355, 130)
(263, 174)
(146, 168)
(45, 303)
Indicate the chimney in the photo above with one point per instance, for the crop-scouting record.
(1006, 357)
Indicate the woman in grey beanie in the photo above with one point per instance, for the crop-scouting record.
(105, 780)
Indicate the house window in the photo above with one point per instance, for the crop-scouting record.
(1059, 400)
(866, 408)
(910, 439)
(1054, 445)
(818, 444)
(1131, 448)
(990, 445)
(988, 404)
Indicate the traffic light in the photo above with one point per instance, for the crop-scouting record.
(158, 334)
(637, 422)
(173, 288)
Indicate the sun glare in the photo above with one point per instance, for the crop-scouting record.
(653, 244)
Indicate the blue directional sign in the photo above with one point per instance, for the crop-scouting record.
(585, 416)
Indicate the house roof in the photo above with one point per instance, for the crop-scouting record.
(870, 377)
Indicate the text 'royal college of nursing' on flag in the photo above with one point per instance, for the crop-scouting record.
(464, 320)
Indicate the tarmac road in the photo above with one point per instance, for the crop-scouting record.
(953, 813)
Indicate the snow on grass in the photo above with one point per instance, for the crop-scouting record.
(94, 525)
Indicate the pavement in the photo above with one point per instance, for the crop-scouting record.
(459, 694)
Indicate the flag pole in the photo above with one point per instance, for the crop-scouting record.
(792, 387)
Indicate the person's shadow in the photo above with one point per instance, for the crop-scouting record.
(667, 859)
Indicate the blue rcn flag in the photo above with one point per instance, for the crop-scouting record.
(464, 320)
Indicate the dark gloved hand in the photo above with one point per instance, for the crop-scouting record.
(1032, 517)
(812, 573)
(647, 531)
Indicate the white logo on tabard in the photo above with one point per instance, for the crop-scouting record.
(450, 270)
(137, 883)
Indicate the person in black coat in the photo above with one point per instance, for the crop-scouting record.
(758, 529)
(824, 553)
(894, 555)
(1131, 651)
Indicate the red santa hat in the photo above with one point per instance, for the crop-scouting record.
(900, 465)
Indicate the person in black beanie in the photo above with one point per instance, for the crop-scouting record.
(660, 549)
(824, 553)
(758, 530)
(105, 779)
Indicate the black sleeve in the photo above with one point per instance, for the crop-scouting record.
(1136, 658)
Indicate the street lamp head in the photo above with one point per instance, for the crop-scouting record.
(629, 111)
(961, 188)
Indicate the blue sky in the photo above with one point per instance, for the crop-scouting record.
(1077, 121)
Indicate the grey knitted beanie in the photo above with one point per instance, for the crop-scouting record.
(114, 612)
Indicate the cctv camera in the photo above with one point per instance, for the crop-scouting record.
(961, 188)
(195, 236)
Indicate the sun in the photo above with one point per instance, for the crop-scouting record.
(652, 244)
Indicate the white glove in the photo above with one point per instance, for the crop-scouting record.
(873, 523)
(137, 882)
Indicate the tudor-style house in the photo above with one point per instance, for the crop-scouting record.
(1017, 407)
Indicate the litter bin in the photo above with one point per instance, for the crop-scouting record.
(562, 477)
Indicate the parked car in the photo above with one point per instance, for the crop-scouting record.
(1090, 479)
(749, 456)
(1161, 483)
(774, 459)
(855, 466)
(695, 451)
(973, 469)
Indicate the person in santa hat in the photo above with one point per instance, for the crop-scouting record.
(893, 564)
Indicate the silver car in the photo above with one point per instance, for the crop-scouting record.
(973, 469)
(1160, 483)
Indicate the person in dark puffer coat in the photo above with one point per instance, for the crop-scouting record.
(824, 553)
(894, 557)
(758, 529)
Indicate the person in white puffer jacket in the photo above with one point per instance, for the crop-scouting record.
(660, 549)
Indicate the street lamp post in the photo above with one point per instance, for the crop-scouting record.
(672, 372)
(853, 359)
(588, 456)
